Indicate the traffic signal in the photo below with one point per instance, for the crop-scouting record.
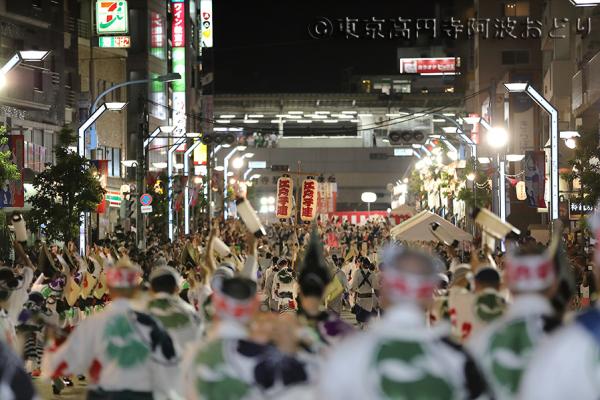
(403, 138)
(216, 138)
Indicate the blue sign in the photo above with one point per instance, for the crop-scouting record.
(146, 199)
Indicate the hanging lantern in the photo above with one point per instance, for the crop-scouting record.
(285, 187)
(309, 199)
(521, 192)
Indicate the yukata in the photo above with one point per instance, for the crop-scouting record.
(567, 364)
(284, 291)
(400, 357)
(363, 284)
(125, 353)
(504, 348)
(229, 366)
(177, 317)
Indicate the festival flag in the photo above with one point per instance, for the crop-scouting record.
(309, 200)
(102, 175)
(285, 188)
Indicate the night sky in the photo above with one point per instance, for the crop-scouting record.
(264, 46)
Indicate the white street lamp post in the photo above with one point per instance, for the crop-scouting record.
(553, 112)
(81, 151)
(18, 58)
(497, 138)
(585, 3)
(186, 191)
(225, 171)
(368, 197)
(170, 152)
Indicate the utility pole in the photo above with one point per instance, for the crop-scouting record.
(140, 172)
(496, 162)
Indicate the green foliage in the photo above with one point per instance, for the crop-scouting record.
(482, 195)
(8, 170)
(160, 206)
(585, 167)
(64, 191)
(415, 187)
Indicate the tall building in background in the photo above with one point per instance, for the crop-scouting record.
(101, 68)
(586, 78)
(39, 98)
(501, 55)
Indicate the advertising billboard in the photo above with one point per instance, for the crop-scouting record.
(178, 65)
(112, 17)
(430, 66)
(206, 23)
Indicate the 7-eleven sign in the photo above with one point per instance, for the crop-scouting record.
(112, 17)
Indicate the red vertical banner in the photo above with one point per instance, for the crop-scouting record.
(322, 198)
(101, 167)
(285, 187)
(535, 178)
(332, 207)
(309, 200)
(178, 26)
(12, 193)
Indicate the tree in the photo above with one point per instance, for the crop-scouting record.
(477, 193)
(585, 167)
(160, 206)
(65, 191)
(8, 172)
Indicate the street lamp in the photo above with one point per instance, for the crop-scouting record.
(112, 106)
(170, 152)
(585, 3)
(186, 190)
(368, 197)
(18, 58)
(497, 137)
(553, 112)
(170, 77)
(226, 174)
(247, 173)
(156, 132)
(237, 163)
(569, 138)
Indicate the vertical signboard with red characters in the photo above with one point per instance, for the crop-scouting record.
(285, 187)
(308, 210)
(178, 35)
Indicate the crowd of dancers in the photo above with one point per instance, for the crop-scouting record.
(327, 310)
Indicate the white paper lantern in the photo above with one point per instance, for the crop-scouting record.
(521, 192)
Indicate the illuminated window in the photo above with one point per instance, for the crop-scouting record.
(516, 9)
(366, 85)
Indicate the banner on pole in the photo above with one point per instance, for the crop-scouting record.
(535, 178)
(101, 167)
(285, 188)
(309, 200)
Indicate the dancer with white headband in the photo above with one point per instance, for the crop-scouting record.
(400, 356)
